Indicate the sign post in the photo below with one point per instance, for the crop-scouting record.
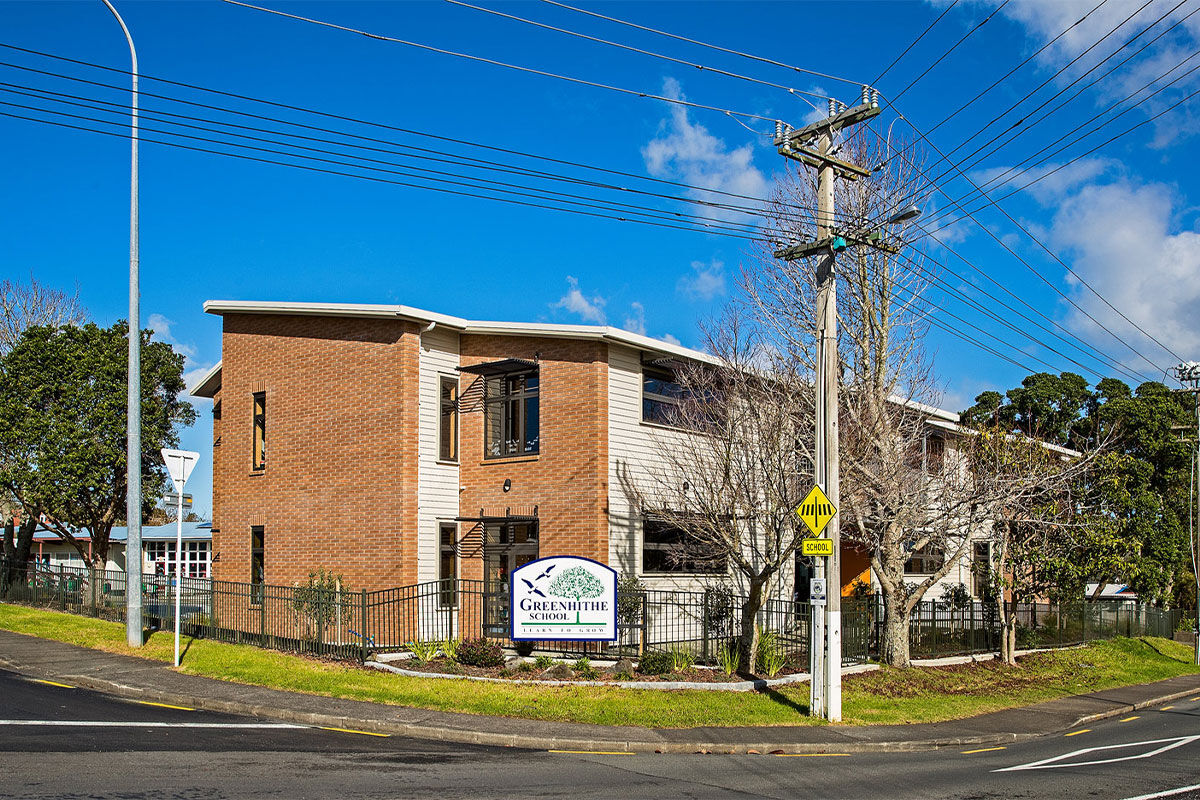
(179, 465)
(825, 668)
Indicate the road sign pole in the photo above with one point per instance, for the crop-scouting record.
(179, 467)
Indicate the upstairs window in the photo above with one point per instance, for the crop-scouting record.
(448, 419)
(662, 396)
(666, 547)
(511, 415)
(935, 454)
(259, 442)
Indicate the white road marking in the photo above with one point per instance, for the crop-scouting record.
(1167, 793)
(93, 723)
(1053, 763)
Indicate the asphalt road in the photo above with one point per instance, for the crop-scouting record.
(63, 742)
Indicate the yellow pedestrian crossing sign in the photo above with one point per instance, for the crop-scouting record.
(816, 510)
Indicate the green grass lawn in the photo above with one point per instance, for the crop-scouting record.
(887, 696)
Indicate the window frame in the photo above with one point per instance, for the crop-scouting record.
(258, 431)
(935, 457)
(927, 556)
(505, 403)
(658, 399)
(447, 584)
(448, 408)
(258, 571)
(683, 569)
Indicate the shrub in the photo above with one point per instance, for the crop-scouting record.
(655, 662)
(544, 662)
(727, 656)
(771, 655)
(682, 658)
(422, 651)
(524, 666)
(719, 602)
(450, 647)
(1186, 624)
(958, 597)
(622, 676)
(479, 653)
(584, 669)
(322, 599)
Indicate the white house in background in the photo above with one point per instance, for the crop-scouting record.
(158, 549)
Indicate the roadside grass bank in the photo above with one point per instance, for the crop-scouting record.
(887, 696)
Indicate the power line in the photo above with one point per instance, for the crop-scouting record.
(719, 48)
(124, 134)
(505, 65)
(952, 48)
(645, 52)
(914, 42)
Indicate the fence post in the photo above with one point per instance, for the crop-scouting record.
(62, 587)
(645, 616)
(262, 618)
(1083, 621)
(972, 626)
(704, 627)
(362, 625)
(212, 606)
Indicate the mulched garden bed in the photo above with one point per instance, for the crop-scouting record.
(696, 674)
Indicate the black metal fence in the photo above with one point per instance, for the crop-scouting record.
(344, 624)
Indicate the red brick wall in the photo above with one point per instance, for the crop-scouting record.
(340, 486)
(568, 478)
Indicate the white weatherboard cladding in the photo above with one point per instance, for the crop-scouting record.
(437, 483)
(634, 452)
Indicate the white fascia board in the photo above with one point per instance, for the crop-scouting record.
(209, 384)
(924, 408)
(221, 307)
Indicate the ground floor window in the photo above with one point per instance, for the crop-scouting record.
(257, 566)
(981, 569)
(668, 546)
(925, 561)
(506, 546)
(447, 564)
(161, 556)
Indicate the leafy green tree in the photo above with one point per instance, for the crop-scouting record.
(63, 427)
(576, 583)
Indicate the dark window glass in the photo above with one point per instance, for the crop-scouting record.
(448, 424)
(981, 569)
(447, 565)
(260, 430)
(661, 396)
(669, 548)
(257, 570)
(925, 561)
(511, 415)
(935, 454)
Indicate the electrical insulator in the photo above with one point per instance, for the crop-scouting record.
(778, 129)
(875, 98)
(866, 94)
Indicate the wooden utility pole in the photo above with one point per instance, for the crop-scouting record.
(825, 645)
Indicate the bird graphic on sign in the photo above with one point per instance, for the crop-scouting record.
(533, 588)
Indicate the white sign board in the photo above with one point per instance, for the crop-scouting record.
(816, 591)
(179, 465)
(563, 598)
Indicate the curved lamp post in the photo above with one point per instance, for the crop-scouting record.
(133, 439)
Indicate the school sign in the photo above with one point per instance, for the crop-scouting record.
(564, 598)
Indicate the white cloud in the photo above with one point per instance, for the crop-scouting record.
(669, 339)
(636, 321)
(590, 309)
(1121, 236)
(687, 152)
(162, 332)
(704, 282)
(1053, 179)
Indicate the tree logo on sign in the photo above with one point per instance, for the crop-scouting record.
(576, 584)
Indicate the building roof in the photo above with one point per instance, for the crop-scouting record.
(192, 531)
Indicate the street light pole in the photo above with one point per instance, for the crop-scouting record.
(133, 418)
(1188, 374)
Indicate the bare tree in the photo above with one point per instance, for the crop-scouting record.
(25, 305)
(733, 471)
(910, 484)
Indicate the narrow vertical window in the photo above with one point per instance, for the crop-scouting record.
(260, 430)
(511, 415)
(448, 424)
(257, 570)
(447, 565)
(935, 454)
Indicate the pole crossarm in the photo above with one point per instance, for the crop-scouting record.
(844, 169)
(829, 126)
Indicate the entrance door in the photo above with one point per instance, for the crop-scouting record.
(508, 546)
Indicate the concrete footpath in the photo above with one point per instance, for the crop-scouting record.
(141, 679)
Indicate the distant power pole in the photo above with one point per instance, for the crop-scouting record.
(1189, 375)
(825, 643)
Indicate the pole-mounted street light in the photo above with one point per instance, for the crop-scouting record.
(133, 419)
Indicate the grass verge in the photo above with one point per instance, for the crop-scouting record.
(888, 696)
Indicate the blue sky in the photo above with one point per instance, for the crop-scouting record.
(1123, 218)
